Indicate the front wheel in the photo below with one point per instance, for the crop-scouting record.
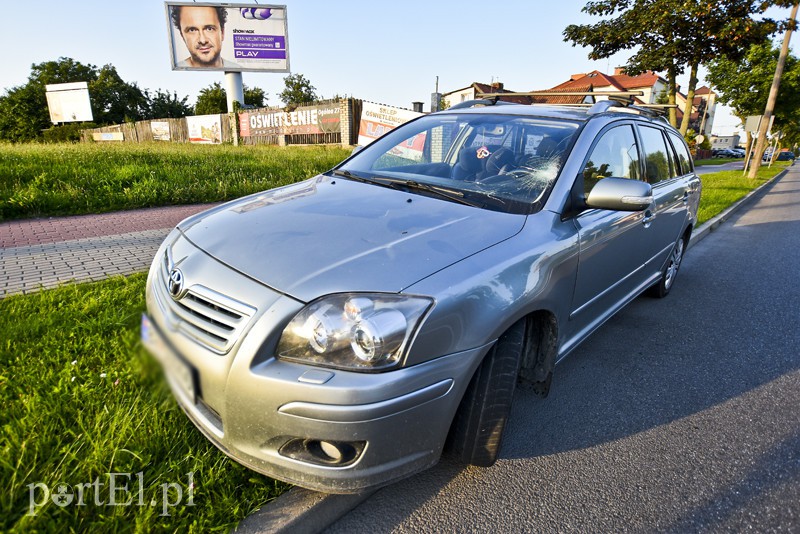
(478, 425)
(670, 272)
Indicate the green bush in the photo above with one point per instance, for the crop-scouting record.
(66, 133)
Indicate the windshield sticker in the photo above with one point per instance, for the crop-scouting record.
(483, 153)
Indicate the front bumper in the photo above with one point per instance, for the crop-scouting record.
(274, 414)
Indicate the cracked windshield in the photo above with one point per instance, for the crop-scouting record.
(498, 162)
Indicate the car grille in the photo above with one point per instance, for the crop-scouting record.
(209, 318)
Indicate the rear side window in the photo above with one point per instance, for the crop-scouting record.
(684, 158)
(615, 154)
(657, 165)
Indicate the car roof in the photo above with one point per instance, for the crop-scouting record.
(573, 113)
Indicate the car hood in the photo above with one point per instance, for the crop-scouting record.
(329, 235)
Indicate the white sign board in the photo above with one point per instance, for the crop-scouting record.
(753, 123)
(69, 102)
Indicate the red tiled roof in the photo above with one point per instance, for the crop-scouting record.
(594, 78)
(566, 99)
(646, 79)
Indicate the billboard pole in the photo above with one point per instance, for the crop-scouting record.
(234, 90)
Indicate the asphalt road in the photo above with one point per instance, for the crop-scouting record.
(678, 415)
(731, 166)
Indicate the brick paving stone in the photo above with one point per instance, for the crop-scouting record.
(45, 253)
(58, 229)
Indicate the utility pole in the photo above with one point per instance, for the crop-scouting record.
(773, 96)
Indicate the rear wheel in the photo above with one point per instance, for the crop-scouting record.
(670, 272)
(479, 422)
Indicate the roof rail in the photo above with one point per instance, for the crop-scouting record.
(651, 110)
(615, 99)
(565, 93)
(481, 103)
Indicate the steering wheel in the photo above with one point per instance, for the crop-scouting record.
(499, 162)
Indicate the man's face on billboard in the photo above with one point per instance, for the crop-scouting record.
(202, 33)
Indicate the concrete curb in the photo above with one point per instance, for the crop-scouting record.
(300, 511)
(712, 224)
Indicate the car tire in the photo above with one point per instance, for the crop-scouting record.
(670, 271)
(478, 425)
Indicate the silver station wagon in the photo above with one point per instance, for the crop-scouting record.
(341, 332)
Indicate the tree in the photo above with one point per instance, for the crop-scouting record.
(744, 86)
(213, 99)
(23, 110)
(673, 35)
(162, 105)
(298, 90)
(113, 100)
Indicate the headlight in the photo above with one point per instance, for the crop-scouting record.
(353, 331)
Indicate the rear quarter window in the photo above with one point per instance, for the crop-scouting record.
(684, 158)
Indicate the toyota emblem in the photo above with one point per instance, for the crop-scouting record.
(175, 283)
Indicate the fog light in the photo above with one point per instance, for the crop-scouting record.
(331, 450)
(320, 452)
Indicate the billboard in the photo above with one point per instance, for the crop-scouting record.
(317, 119)
(205, 129)
(227, 37)
(68, 102)
(160, 130)
(377, 119)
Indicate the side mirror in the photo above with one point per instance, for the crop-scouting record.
(620, 194)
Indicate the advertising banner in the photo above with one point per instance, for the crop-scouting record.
(228, 37)
(377, 119)
(321, 118)
(160, 130)
(204, 129)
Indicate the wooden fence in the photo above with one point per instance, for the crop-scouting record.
(178, 131)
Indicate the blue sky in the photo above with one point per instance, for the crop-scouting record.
(379, 51)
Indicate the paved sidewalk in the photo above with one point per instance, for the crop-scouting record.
(43, 253)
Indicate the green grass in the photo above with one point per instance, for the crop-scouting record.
(67, 179)
(81, 400)
(721, 189)
(716, 161)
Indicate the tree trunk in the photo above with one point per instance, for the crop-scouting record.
(672, 88)
(687, 110)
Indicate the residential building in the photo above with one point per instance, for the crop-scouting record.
(725, 141)
(652, 86)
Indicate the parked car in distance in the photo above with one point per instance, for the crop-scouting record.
(783, 155)
(725, 153)
(339, 332)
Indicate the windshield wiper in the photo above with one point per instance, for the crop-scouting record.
(394, 183)
(355, 177)
(441, 192)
